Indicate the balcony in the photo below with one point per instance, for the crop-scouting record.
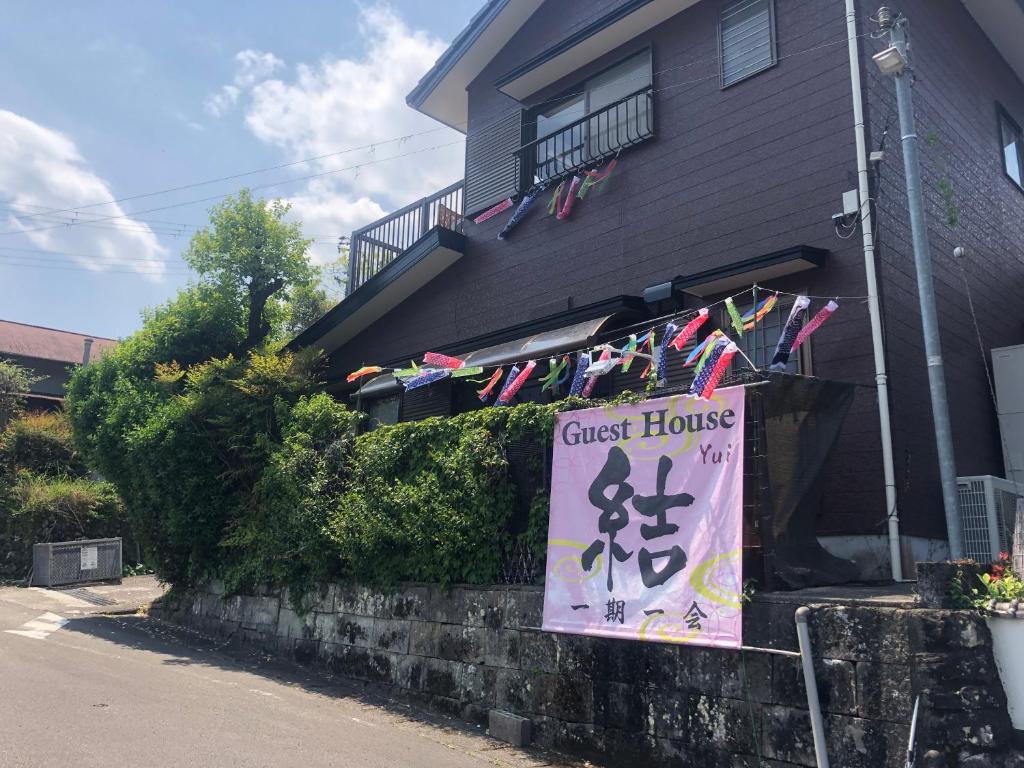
(375, 246)
(590, 140)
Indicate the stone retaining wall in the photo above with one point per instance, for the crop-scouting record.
(470, 650)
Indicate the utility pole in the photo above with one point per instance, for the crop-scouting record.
(894, 61)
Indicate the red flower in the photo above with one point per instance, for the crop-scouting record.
(997, 572)
(1004, 555)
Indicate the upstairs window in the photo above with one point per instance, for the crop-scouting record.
(1013, 148)
(602, 115)
(747, 39)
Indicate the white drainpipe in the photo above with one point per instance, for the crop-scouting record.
(877, 342)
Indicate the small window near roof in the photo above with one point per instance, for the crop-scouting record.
(1013, 148)
(747, 35)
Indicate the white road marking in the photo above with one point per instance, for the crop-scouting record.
(40, 627)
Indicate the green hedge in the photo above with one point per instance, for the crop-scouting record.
(241, 470)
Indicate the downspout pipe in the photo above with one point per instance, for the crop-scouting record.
(874, 310)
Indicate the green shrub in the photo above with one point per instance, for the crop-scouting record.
(42, 443)
(432, 500)
(280, 535)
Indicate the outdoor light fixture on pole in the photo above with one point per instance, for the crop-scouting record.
(894, 61)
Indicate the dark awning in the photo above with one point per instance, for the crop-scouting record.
(538, 345)
(741, 274)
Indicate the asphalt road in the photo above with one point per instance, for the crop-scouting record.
(80, 689)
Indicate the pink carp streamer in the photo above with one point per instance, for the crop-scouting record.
(688, 330)
(442, 361)
(592, 380)
(493, 211)
(816, 322)
(515, 382)
(719, 370)
(485, 393)
(570, 198)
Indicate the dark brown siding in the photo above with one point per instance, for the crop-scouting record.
(755, 168)
(959, 79)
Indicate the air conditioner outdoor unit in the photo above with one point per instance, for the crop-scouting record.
(987, 515)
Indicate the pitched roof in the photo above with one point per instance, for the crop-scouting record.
(49, 343)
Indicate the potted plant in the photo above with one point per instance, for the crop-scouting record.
(999, 595)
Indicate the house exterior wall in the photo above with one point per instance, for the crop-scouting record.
(755, 168)
(53, 375)
(959, 78)
(731, 174)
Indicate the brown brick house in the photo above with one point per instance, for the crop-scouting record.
(50, 354)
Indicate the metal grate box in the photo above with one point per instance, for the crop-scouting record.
(76, 562)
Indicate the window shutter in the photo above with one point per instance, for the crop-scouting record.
(491, 170)
(429, 400)
(747, 39)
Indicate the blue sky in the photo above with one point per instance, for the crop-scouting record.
(103, 101)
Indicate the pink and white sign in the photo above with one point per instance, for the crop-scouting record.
(646, 530)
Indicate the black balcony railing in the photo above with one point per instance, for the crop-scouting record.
(589, 140)
(375, 246)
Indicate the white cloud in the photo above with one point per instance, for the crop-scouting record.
(251, 66)
(341, 103)
(41, 169)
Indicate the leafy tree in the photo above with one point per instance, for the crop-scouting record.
(250, 252)
(15, 381)
(306, 305)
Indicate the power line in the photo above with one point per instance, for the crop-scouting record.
(402, 139)
(227, 194)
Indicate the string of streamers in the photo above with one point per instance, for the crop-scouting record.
(485, 393)
(474, 370)
(632, 348)
(785, 346)
(555, 377)
(570, 198)
(427, 377)
(494, 210)
(734, 315)
(579, 378)
(514, 385)
(442, 361)
(592, 379)
(707, 365)
(815, 323)
(520, 212)
(689, 329)
(670, 330)
(719, 370)
(556, 198)
(366, 370)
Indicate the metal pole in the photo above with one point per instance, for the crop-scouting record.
(874, 310)
(811, 684)
(926, 296)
